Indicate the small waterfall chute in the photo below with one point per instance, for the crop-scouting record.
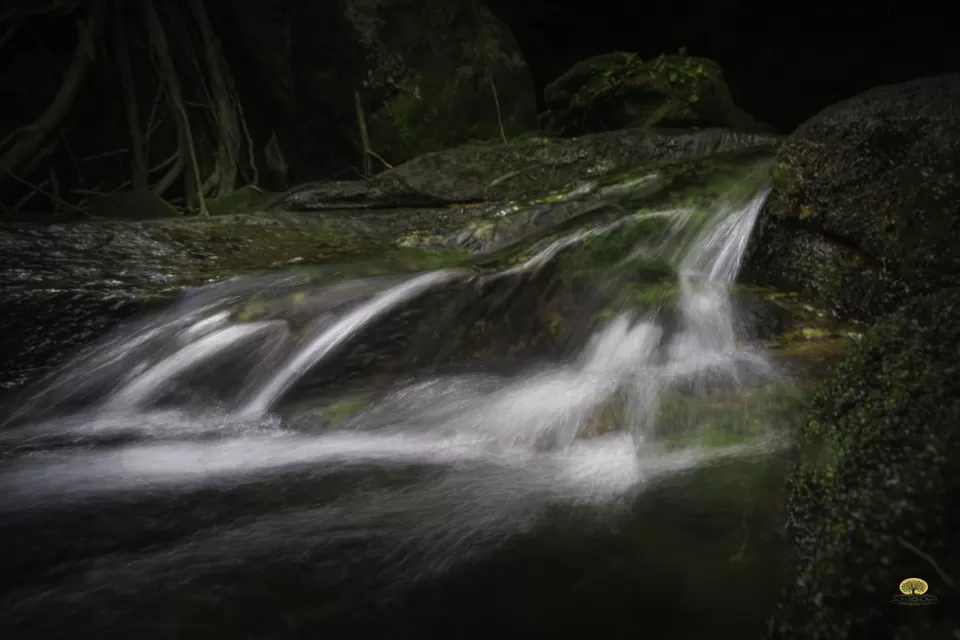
(631, 360)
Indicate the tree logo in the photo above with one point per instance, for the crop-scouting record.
(914, 593)
(914, 587)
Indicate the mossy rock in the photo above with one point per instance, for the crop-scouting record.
(865, 210)
(873, 498)
(522, 170)
(452, 75)
(619, 91)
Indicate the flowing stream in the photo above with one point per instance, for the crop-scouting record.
(170, 483)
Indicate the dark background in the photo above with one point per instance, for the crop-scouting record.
(784, 61)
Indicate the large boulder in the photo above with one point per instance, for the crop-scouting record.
(619, 91)
(873, 500)
(429, 75)
(865, 211)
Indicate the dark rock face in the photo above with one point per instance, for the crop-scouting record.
(619, 91)
(430, 75)
(865, 212)
(872, 501)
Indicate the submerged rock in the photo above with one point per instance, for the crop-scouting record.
(620, 91)
(873, 500)
(865, 211)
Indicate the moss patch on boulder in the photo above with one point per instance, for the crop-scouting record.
(872, 500)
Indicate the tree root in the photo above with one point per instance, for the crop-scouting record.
(170, 177)
(251, 154)
(225, 116)
(137, 155)
(168, 73)
(39, 189)
(29, 196)
(364, 138)
(35, 135)
(181, 35)
(496, 102)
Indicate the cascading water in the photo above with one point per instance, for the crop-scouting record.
(430, 477)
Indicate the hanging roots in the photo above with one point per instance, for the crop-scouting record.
(177, 39)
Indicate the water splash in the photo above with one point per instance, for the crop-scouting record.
(344, 329)
(200, 352)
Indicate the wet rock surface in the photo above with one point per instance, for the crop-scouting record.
(520, 170)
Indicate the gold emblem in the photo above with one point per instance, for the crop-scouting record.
(914, 587)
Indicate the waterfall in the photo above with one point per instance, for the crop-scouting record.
(188, 450)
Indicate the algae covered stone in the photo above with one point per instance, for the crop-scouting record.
(865, 209)
(619, 90)
(873, 498)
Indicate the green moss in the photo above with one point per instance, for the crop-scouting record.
(642, 298)
(431, 109)
(401, 116)
(251, 311)
(345, 408)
